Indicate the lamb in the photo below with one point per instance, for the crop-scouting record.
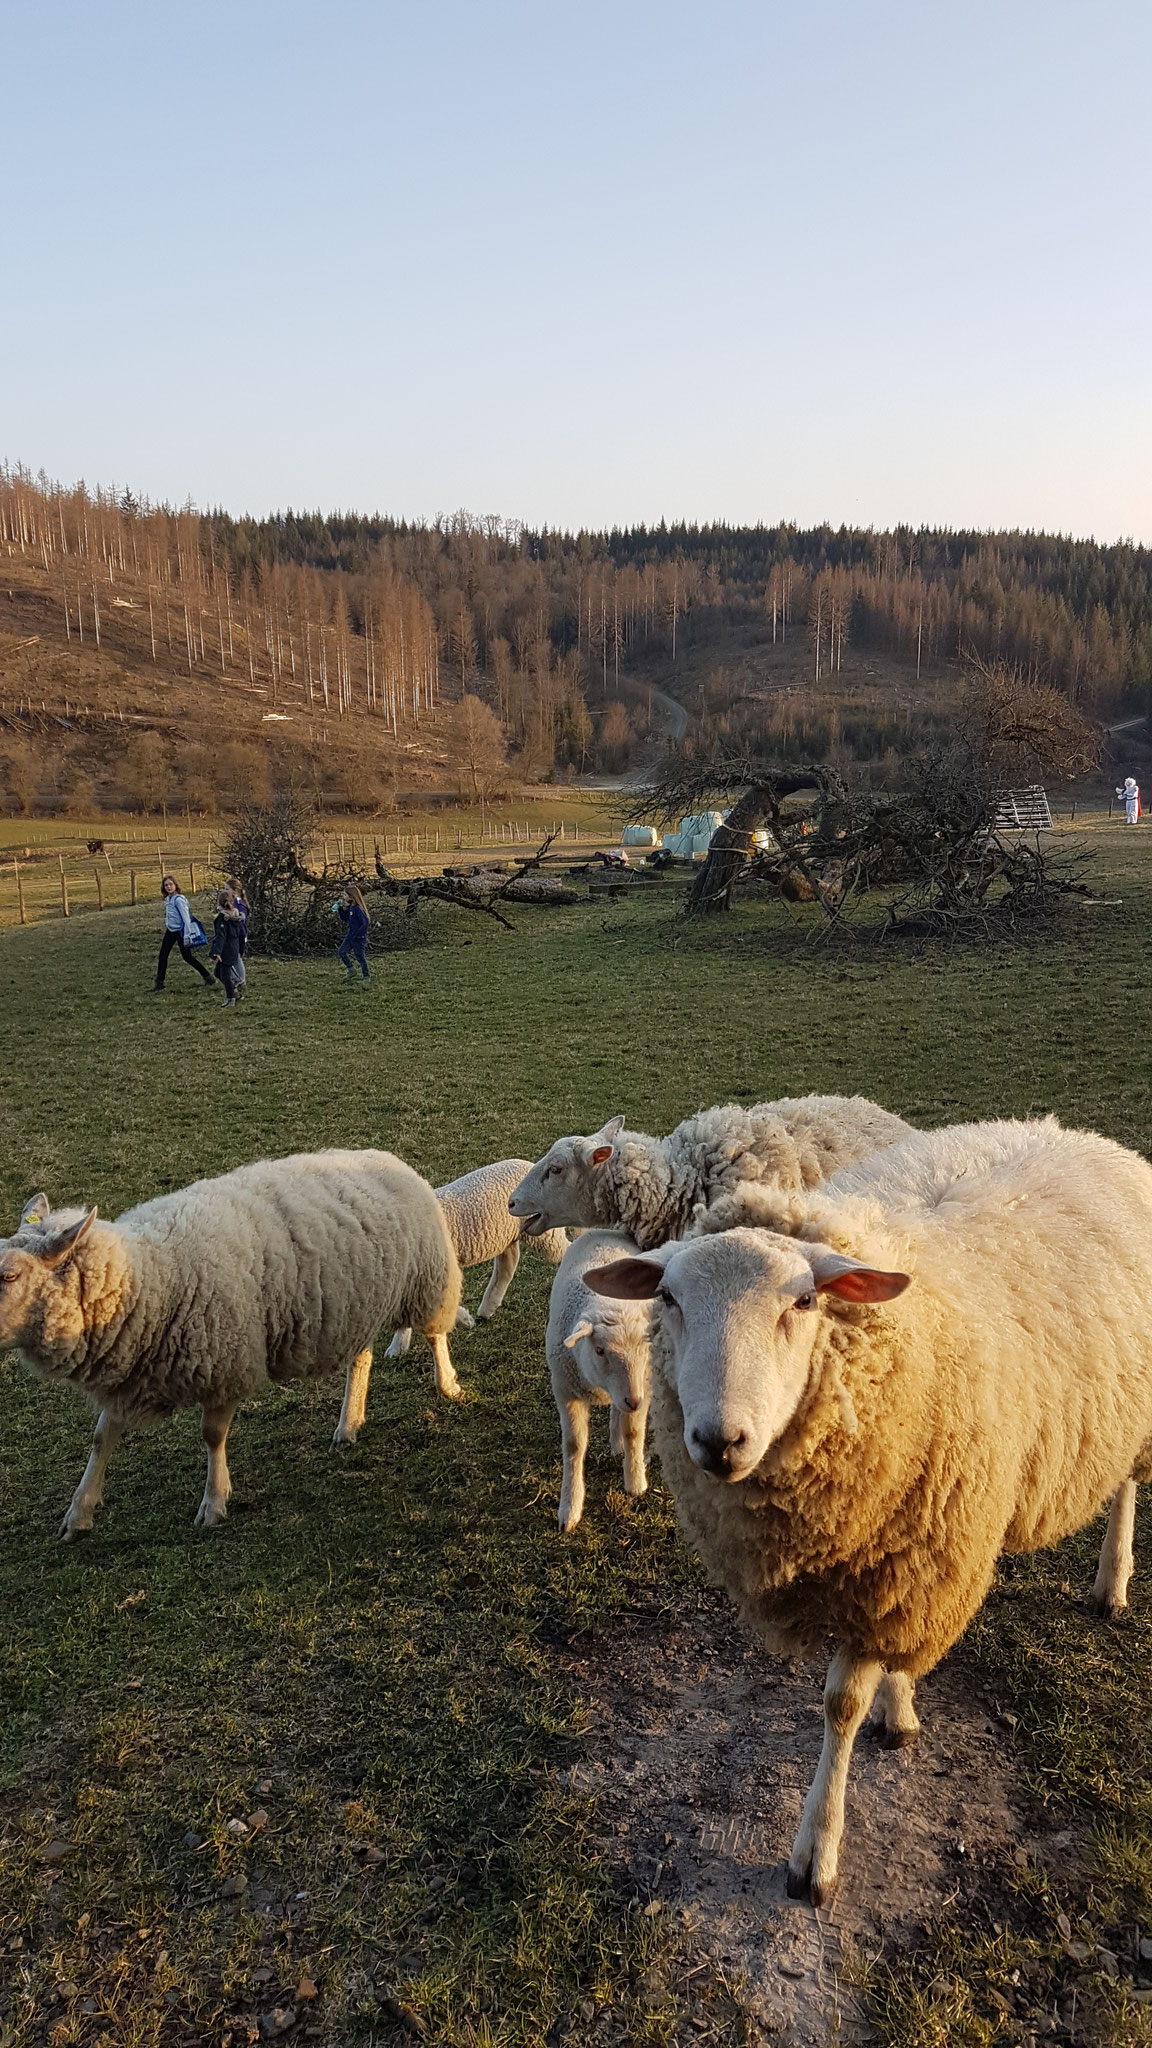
(597, 1354)
(650, 1187)
(476, 1211)
(278, 1271)
(850, 1458)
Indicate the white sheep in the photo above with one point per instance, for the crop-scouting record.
(849, 1458)
(481, 1228)
(597, 1354)
(651, 1187)
(276, 1272)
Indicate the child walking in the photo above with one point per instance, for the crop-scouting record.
(353, 913)
(226, 946)
(177, 932)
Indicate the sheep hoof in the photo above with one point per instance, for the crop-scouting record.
(209, 1514)
(896, 1738)
(822, 1893)
(798, 1881)
(72, 1527)
(1108, 1606)
(344, 1436)
(465, 1319)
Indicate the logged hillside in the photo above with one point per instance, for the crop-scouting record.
(150, 657)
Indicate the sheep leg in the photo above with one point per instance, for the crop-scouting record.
(632, 1432)
(399, 1344)
(214, 1428)
(574, 1438)
(503, 1273)
(896, 1723)
(465, 1320)
(1110, 1593)
(848, 1693)
(615, 1432)
(446, 1380)
(355, 1398)
(90, 1492)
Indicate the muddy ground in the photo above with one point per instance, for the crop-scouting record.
(701, 1749)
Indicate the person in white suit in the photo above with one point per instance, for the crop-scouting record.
(1129, 795)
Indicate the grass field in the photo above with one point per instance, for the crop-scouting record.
(37, 857)
(363, 1652)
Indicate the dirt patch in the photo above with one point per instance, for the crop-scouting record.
(700, 1751)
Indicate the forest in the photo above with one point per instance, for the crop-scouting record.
(149, 653)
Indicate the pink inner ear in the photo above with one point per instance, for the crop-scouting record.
(866, 1283)
(601, 1153)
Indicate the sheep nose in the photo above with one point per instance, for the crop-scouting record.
(632, 1403)
(713, 1449)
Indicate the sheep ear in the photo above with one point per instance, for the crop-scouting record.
(627, 1279)
(612, 1128)
(600, 1153)
(35, 1209)
(851, 1280)
(62, 1245)
(583, 1329)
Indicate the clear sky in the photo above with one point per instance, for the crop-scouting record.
(624, 260)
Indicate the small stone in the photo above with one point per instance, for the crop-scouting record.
(257, 1820)
(1146, 1950)
(306, 1991)
(1020, 1858)
(260, 1977)
(263, 1788)
(277, 2021)
(55, 1852)
(1065, 1925)
(67, 1991)
(653, 1907)
(587, 2010)
(239, 1828)
(374, 1855)
(791, 1970)
(1107, 1962)
(192, 1840)
(1078, 1950)
(232, 1887)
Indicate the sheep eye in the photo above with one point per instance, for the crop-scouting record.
(599, 1351)
(805, 1301)
(663, 1295)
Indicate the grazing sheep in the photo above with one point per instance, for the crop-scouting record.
(597, 1353)
(650, 1187)
(476, 1211)
(276, 1272)
(851, 1459)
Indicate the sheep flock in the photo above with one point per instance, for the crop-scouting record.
(875, 1358)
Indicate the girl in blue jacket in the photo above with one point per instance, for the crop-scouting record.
(353, 914)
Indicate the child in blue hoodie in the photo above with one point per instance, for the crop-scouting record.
(353, 914)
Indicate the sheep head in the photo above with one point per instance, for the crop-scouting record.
(559, 1188)
(611, 1350)
(740, 1311)
(33, 1267)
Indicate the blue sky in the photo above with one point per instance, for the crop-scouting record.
(587, 265)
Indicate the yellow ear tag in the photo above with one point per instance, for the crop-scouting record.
(33, 1216)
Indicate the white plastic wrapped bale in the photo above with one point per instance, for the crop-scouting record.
(640, 835)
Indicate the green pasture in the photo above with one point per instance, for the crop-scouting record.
(47, 862)
(365, 1652)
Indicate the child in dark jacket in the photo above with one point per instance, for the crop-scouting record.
(353, 914)
(226, 933)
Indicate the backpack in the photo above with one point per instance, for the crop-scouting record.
(199, 935)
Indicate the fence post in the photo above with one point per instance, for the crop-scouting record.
(63, 890)
(20, 892)
(99, 887)
(132, 880)
(192, 872)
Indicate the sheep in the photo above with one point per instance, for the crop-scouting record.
(476, 1211)
(650, 1187)
(278, 1271)
(850, 1458)
(597, 1354)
